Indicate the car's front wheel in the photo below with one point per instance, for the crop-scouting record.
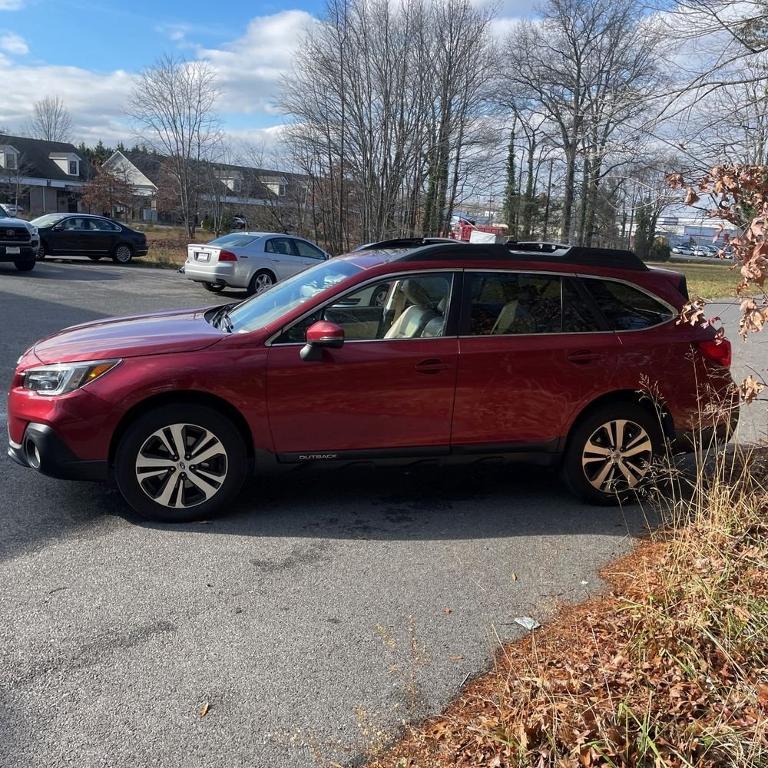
(214, 287)
(25, 266)
(41, 251)
(180, 463)
(122, 254)
(610, 453)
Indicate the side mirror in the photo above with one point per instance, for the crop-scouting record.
(322, 335)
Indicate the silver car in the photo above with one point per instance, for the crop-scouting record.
(254, 261)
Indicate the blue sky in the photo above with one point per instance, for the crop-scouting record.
(88, 52)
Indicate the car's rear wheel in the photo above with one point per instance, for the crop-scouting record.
(610, 453)
(214, 287)
(122, 254)
(262, 281)
(24, 266)
(180, 463)
(93, 257)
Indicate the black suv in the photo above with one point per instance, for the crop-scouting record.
(81, 234)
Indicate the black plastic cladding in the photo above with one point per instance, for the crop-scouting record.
(590, 257)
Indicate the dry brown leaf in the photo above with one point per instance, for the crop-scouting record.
(204, 709)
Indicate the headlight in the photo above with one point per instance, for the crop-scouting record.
(64, 377)
(32, 230)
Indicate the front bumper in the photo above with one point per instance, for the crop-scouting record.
(43, 450)
(27, 251)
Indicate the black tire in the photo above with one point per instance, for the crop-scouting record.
(591, 450)
(25, 266)
(229, 466)
(93, 258)
(122, 253)
(379, 296)
(214, 287)
(41, 251)
(259, 280)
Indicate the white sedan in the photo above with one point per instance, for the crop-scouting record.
(254, 261)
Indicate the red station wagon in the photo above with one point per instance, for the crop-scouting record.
(401, 351)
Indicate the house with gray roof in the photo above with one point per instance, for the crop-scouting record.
(42, 176)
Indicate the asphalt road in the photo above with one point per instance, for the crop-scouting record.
(292, 618)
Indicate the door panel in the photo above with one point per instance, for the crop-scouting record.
(531, 355)
(527, 388)
(371, 395)
(68, 238)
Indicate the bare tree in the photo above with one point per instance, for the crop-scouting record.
(174, 107)
(581, 75)
(50, 120)
(387, 102)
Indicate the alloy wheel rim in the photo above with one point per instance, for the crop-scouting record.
(263, 283)
(616, 456)
(123, 253)
(181, 466)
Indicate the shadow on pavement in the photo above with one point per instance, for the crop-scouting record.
(357, 503)
(436, 503)
(48, 270)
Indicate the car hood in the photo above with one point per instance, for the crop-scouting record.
(155, 334)
(10, 221)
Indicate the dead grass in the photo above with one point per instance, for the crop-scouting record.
(168, 245)
(669, 669)
(709, 281)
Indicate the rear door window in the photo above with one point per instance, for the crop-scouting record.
(626, 308)
(308, 251)
(281, 245)
(510, 303)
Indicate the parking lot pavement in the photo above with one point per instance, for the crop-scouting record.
(291, 618)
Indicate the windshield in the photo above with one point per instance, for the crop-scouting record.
(47, 219)
(4, 213)
(297, 290)
(233, 239)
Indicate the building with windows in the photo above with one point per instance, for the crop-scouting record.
(41, 176)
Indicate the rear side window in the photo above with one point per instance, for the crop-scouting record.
(307, 250)
(626, 308)
(502, 304)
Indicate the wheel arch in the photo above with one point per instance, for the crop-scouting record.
(190, 397)
(655, 407)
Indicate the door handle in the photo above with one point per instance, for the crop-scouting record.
(432, 365)
(584, 357)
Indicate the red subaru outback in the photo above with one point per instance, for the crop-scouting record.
(534, 352)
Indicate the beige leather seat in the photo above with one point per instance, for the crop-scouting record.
(414, 319)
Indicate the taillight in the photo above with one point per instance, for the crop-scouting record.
(227, 256)
(719, 353)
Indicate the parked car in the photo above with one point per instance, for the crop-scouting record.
(19, 241)
(479, 351)
(254, 261)
(82, 234)
(683, 250)
(706, 251)
(13, 209)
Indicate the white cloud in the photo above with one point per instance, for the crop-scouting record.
(11, 5)
(250, 68)
(95, 100)
(174, 32)
(13, 43)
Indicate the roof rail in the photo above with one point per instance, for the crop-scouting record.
(404, 242)
(548, 253)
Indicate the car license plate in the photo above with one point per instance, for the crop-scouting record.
(11, 251)
(200, 256)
